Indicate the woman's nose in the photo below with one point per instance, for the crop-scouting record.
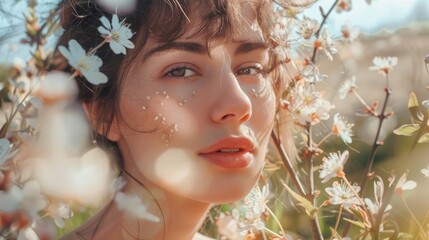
(232, 104)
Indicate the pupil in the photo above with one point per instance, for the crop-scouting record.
(245, 71)
(180, 72)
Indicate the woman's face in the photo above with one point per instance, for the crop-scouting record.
(196, 121)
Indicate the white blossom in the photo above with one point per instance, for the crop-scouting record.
(307, 27)
(307, 105)
(333, 165)
(350, 33)
(28, 199)
(59, 211)
(384, 64)
(228, 227)
(342, 128)
(374, 207)
(87, 65)
(133, 207)
(341, 194)
(403, 184)
(347, 87)
(327, 44)
(425, 171)
(312, 74)
(343, 5)
(255, 202)
(117, 34)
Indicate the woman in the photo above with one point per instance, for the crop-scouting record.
(188, 111)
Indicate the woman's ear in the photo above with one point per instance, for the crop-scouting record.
(113, 133)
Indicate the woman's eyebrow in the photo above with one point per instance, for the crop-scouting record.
(181, 46)
(246, 47)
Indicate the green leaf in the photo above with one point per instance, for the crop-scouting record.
(357, 223)
(413, 107)
(303, 202)
(407, 129)
(405, 236)
(413, 101)
(424, 138)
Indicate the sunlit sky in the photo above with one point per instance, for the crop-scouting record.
(381, 14)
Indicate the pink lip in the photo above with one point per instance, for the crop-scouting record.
(239, 159)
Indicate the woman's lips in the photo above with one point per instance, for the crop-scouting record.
(230, 152)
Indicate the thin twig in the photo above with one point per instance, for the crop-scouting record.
(337, 222)
(317, 233)
(317, 34)
(376, 143)
(288, 164)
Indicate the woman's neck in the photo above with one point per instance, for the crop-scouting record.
(180, 218)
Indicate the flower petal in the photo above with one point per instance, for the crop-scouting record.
(115, 22)
(103, 31)
(127, 43)
(76, 50)
(65, 52)
(105, 22)
(409, 185)
(117, 48)
(95, 77)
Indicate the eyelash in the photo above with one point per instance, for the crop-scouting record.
(183, 67)
(258, 67)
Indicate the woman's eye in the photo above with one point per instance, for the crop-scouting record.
(181, 72)
(253, 70)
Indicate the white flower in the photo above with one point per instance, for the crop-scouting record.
(343, 5)
(341, 194)
(255, 202)
(425, 171)
(342, 128)
(37, 230)
(347, 87)
(307, 105)
(312, 74)
(327, 44)
(307, 27)
(116, 34)
(403, 184)
(384, 64)
(333, 166)
(56, 87)
(59, 211)
(134, 207)
(28, 199)
(228, 227)
(374, 207)
(87, 65)
(425, 104)
(350, 33)
(25, 80)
